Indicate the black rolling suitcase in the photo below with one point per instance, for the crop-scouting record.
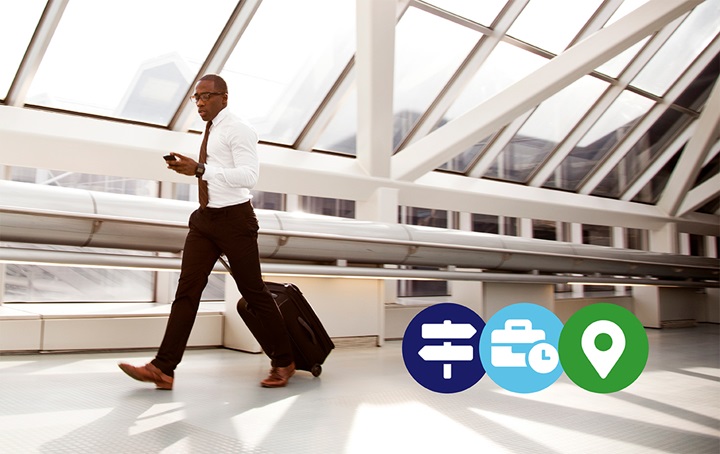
(311, 343)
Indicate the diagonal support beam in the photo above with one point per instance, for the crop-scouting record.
(453, 138)
(35, 52)
(700, 195)
(692, 158)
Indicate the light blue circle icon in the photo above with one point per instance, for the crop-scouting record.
(440, 348)
(519, 348)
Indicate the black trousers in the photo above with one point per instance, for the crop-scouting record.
(213, 231)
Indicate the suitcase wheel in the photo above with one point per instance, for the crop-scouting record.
(316, 370)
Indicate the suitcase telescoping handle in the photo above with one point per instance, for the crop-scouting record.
(226, 265)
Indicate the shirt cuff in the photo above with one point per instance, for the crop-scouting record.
(210, 172)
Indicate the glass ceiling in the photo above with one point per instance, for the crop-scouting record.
(291, 57)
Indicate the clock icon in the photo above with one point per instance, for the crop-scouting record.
(543, 358)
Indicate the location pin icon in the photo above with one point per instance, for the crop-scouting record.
(603, 361)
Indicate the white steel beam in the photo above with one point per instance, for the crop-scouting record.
(35, 52)
(606, 100)
(655, 113)
(374, 66)
(42, 139)
(454, 137)
(693, 156)
(700, 195)
(650, 171)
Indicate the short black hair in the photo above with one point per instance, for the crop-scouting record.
(218, 81)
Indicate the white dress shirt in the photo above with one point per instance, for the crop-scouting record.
(232, 166)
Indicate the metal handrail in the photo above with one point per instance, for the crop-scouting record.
(90, 259)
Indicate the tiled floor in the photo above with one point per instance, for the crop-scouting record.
(364, 402)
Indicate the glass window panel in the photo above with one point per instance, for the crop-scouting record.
(428, 50)
(697, 93)
(213, 291)
(485, 223)
(653, 190)
(506, 65)
(627, 7)
(552, 24)
(462, 162)
(268, 200)
(642, 154)
(340, 134)
(285, 63)
(21, 19)
(420, 289)
(544, 230)
(133, 59)
(599, 235)
(616, 65)
(483, 12)
(673, 58)
(637, 239)
(545, 129)
(328, 207)
(712, 207)
(100, 183)
(429, 217)
(708, 171)
(612, 126)
(697, 245)
(45, 283)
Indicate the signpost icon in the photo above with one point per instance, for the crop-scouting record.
(444, 336)
(447, 352)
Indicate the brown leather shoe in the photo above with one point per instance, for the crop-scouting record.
(148, 373)
(279, 376)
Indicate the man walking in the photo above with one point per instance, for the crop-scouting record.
(225, 223)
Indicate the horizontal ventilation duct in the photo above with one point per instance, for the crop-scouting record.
(38, 214)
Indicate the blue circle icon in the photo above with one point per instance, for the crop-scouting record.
(519, 348)
(440, 348)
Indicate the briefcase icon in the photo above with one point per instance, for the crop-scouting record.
(516, 331)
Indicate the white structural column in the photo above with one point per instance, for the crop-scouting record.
(382, 206)
(698, 147)
(374, 62)
(443, 144)
(576, 237)
(665, 239)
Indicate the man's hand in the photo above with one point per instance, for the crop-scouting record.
(183, 164)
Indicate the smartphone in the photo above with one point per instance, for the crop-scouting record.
(169, 157)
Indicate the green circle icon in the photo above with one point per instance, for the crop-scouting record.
(603, 348)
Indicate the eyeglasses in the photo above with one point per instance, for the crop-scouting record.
(204, 96)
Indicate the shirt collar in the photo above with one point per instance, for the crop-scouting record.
(219, 117)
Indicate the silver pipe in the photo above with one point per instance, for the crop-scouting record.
(321, 236)
(51, 215)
